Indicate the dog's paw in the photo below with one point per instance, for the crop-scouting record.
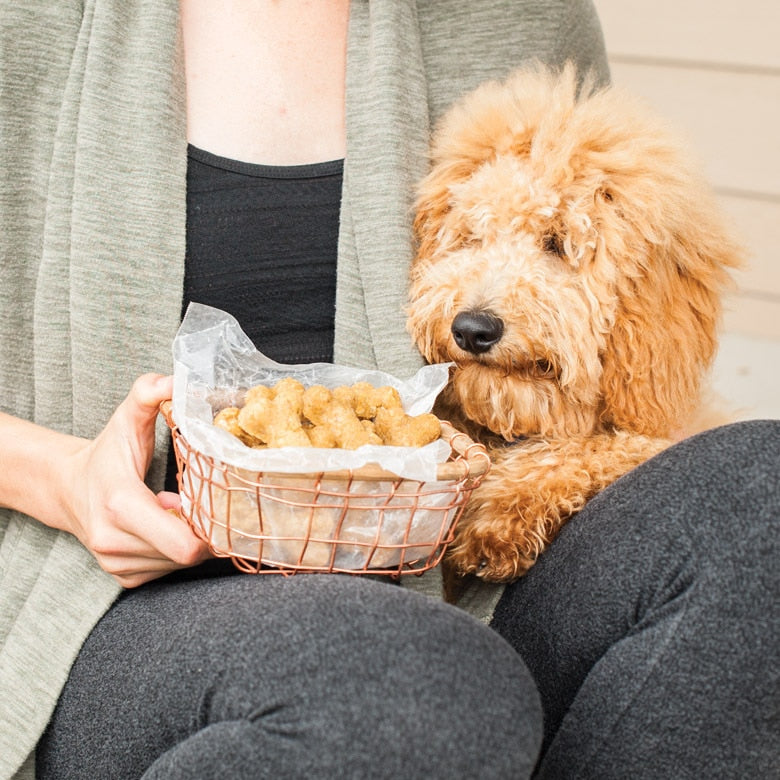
(508, 521)
(488, 564)
(492, 550)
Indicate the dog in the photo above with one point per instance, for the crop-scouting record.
(571, 263)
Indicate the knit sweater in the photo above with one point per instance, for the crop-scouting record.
(92, 223)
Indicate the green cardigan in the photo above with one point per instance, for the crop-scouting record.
(92, 228)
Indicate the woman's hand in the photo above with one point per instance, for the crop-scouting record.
(132, 533)
(94, 489)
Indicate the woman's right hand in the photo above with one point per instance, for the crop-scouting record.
(94, 489)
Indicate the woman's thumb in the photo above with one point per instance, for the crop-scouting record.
(149, 391)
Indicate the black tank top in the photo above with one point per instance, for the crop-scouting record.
(261, 244)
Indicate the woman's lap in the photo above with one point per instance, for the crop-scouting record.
(650, 627)
(326, 676)
(651, 624)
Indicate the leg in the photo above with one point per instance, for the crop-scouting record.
(307, 676)
(651, 624)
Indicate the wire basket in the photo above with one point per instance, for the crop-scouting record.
(361, 521)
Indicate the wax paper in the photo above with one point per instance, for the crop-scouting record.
(215, 362)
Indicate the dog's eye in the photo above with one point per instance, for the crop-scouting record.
(553, 243)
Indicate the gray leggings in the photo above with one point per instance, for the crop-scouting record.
(313, 676)
(650, 627)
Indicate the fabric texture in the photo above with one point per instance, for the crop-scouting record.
(323, 676)
(652, 625)
(261, 245)
(92, 239)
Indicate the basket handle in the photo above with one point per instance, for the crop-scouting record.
(166, 408)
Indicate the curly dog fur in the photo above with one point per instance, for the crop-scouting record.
(571, 264)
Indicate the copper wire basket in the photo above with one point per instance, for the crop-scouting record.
(361, 521)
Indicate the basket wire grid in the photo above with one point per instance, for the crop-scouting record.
(361, 521)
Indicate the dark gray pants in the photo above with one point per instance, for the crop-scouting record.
(305, 677)
(650, 627)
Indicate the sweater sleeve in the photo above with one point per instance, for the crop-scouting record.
(581, 40)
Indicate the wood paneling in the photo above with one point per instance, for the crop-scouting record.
(753, 315)
(757, 223)
(737, 34)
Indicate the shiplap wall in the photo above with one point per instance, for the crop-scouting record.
(713, 68)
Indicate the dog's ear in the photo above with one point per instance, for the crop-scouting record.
(672, 271)
(431, 208)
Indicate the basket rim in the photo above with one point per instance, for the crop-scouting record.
(473, 461)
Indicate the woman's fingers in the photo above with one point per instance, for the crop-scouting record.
(146, 542)
(146, 534)
(169, 501)
(128, 529)
(150, 390)
(167, 535)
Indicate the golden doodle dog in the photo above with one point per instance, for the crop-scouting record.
(571, 265)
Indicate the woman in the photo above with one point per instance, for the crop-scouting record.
(190, 674)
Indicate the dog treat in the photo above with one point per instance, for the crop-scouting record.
(349, 416)
(365, 399)
(274, 417)
(337, 415)
(228, 420)
(398, 429)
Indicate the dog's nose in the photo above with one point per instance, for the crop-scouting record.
(477, 331)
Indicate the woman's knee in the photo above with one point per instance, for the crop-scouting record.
(334, 666)
(411, 679)
(720, 489)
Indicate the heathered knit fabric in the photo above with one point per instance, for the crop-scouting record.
(92, 217)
